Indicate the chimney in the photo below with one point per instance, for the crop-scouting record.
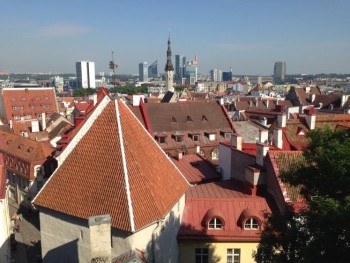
(236, 141)
(43, 121)
(11, 124)
(281, 120)
(264, 121)
(100, 238)
(310, 118)
(279, 108)
(179, 155)
(277, 138)
(263, 136)
(253, 178)
(313, 96)
(261, 151)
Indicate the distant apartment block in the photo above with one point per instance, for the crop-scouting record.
(85, 71)
(279, 71)
(143, 71)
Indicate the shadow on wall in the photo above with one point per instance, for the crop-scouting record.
(65, 253)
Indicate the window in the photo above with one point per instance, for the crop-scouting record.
(17, 117)
(202, 255)
(233, 255)
(251, 223)
(215, 223)
(195, 138)
(189, 118)
(212, 137)
(178, 138)
(227, 136)
(173, 119)
(215, 154)
(161, 139)
(204, 118)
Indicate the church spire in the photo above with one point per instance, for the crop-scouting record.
(169, 70)
(169, 64)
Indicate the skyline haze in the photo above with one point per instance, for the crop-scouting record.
(249, 36)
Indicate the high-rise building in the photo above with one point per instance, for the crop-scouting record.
(279, 72)
(85, 71)
(169, 70)
(179, 64)
(227, 76)
(216, 74)
(143, 71)
(153, 70)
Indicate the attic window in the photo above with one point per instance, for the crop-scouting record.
(178, 138)
(23, 99)
(30, 149)
(173, 119)
(37, 98)
(204, 118)
(189, 118)
(195, 137)
(13, 99)
(46, 98)
(20, 146)
(251, 224)
(215, 223)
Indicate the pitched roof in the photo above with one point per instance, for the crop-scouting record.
(196, 169)
(23, 148)
(174, 116)
(283, 161)
(28, 101)
(113, 166)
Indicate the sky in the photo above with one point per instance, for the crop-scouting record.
(311, 36)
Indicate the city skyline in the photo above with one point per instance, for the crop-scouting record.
(249, 36)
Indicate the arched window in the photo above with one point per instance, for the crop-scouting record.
(251, 224)
(215, 223)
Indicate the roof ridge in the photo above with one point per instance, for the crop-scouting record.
(125, 169)
(76, 139)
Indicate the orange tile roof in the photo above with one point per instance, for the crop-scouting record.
(23, 148)
(28, 101)
(114, 168)
(284, 161)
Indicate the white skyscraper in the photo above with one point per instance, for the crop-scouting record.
(85, 74)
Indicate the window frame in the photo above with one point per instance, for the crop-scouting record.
(216, 223)
(251, 224)
(202, 255)
(233, 255)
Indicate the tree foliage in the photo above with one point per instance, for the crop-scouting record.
(320, 233)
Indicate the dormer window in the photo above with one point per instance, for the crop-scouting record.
(178, 138)
(204, 118)
(211, 136)
(189, 118)
(173, 119)
(215, 223)
(194, 137)
(251, 224)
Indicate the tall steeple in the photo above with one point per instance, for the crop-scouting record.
(169, 69)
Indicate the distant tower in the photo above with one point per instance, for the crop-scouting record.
(143, 71)
(85, 71)
(169, 69)
(279, 71)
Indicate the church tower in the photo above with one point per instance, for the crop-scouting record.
(169, 69)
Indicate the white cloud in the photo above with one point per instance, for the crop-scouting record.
(63, 30)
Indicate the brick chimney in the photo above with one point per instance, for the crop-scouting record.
(100, 238)
(43, 121)
(236, 141)
(277, 138)
(261, 151)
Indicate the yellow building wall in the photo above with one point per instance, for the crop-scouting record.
(217, 251)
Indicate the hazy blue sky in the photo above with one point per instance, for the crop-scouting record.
(312, 36)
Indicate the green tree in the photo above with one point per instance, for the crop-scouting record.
(321, 232)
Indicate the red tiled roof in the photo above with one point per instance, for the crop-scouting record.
(284, 161)
(225, 200)
(196, 169)
(31, 101)
(103, 162)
